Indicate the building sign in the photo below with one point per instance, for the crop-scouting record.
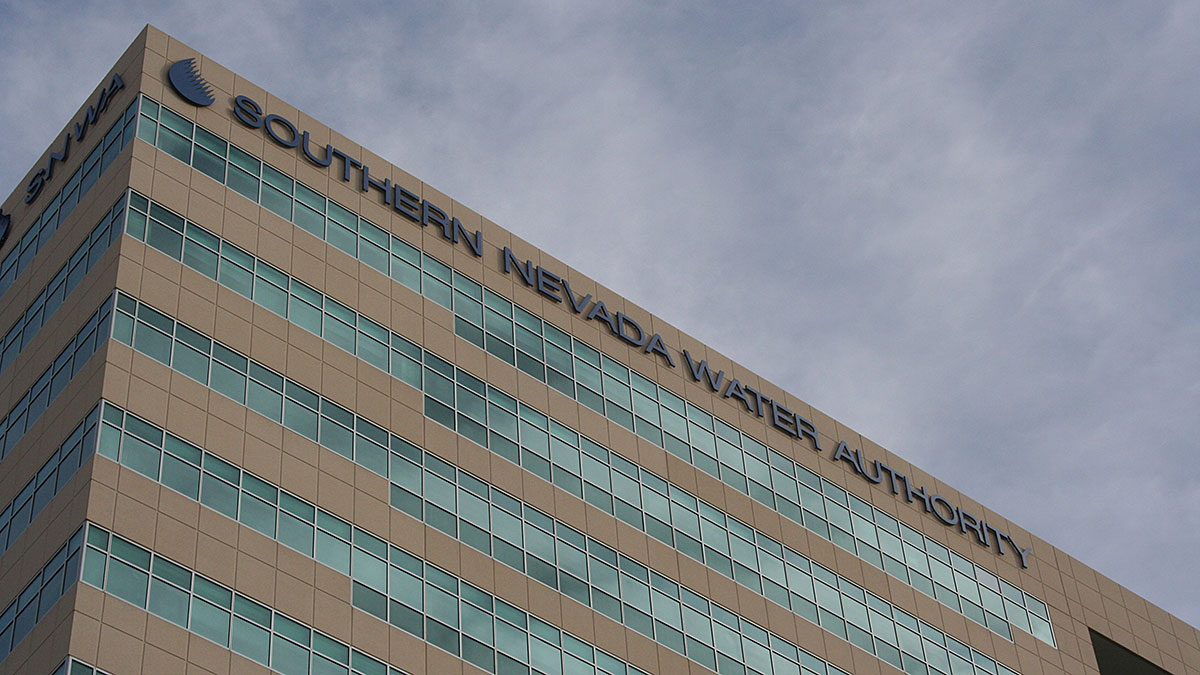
(283, 132)
(554, 287)
(948, 514)
(185, 79)
(85, 123)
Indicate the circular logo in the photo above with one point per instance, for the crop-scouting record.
(185, 78)
(5, 226)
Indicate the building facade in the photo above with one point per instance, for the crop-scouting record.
(274, 404)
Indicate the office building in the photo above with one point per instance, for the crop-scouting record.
(273, 404)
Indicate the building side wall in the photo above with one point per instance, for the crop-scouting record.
(113, 635)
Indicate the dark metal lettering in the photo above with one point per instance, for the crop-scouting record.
(878, 477)
(735, 390)
(805, 428)
(842, 453)
(966, 521)
(347, 162)
(5, 227)
(474, 239)
(656, 346)
(894, 475)
(385, 187)
(784, 419)
(526, 270)
(248, 111)
(577, 305)
(623, 323)
(313, 158)
(909, 493)
(758, 400)
(548, 284)
(406, 203)
(702, 370)
(294, 135)
(431, 214)
(35, 186)
(600, 311)
(952, 514)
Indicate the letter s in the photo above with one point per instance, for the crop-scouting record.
(35, 186)
(249, 112)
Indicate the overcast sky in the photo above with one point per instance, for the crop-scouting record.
(967, 230)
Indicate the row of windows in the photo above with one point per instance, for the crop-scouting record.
(48, 481)
(582, 372)
(250, 383)
(234, 268)
(416, 590)
(295, 202)
(65, 201)
(465, 507)
(827, 509)
(278, 514)
(73, 666)
(227, 489)
(648, 502)
(242, 496)
(296, 523)
(712, 445)
(336, 428)
(65, 280)
(66, 365)
(39, 595)
(216, 612)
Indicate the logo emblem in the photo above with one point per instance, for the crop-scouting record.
(185, 78)
(5, 226)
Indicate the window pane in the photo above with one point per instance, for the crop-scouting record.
(288, 657)
(210, 621)
(127, 582)
(168, 602)
(250, 640)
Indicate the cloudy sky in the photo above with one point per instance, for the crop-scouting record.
(968, 230)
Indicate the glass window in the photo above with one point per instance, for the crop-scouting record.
(210, 621)
(127, 582)
(258, 515)
(169, 602)
(251, 640)
(219, 495)
(140, 456)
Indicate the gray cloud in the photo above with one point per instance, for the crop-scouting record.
(969, 233)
